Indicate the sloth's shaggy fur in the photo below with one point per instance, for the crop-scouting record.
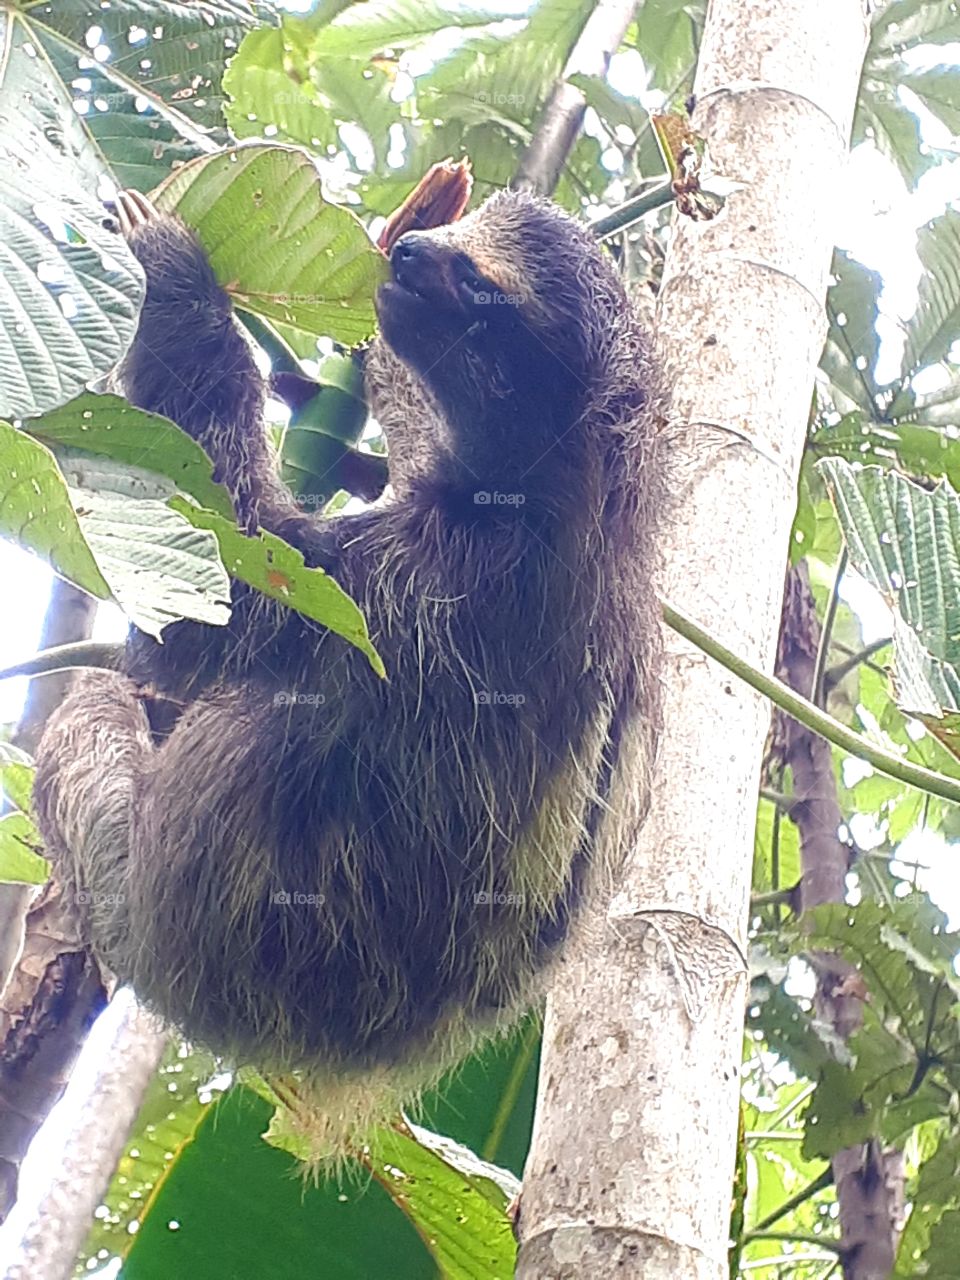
(433, 831)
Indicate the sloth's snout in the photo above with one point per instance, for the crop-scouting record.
(433, 271)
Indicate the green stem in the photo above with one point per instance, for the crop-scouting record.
(826, 632)
(508, 1100)
(811, 1189)
(631, 211)
(795, 1237)
(914, 775)
(776, 898)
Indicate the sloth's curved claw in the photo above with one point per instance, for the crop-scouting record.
(133, 209)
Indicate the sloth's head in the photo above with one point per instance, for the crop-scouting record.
(510, 320)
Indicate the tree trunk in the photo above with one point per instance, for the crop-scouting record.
(868, 1179)
(630, 1170)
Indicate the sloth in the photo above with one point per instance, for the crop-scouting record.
(310, 867)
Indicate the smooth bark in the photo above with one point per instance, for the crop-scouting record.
(630, 1171)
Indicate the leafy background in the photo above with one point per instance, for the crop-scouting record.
(374, 93)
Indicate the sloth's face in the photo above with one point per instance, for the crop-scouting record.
(494, 313)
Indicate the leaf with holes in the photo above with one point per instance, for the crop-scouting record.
(36, 511)
(935, 325)
(850, 352)
(277, 569)
(277, 246)
(159, 567)
(110, 427)
(900, 29)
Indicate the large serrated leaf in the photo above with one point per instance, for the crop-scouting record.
(904, 956)
(173, 54)
(905, 540)
(69, 288)
(278, 247)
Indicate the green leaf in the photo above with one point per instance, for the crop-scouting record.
(850, 353)
(899, 28)
(110, 427)
(36, 511)
(455, 1200)
(160, 567)
(920, 450)
(278, 81)
(269, 564)
(275, 244)
(176, 1102)
(380, 25)
(173, 55)
(935, 325)
(905, 540)
(905, 957)
(19, 861)
(16, 782)
(935, 1193)
(218, 1211)
(72, 287)
(667, 37)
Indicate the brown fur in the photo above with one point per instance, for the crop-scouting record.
(441, 825)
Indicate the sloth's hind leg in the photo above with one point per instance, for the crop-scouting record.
(90, 766)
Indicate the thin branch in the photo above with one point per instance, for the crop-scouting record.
(796, 1237)
(826, 631)
(66, 657)
(560, 121)
(811, 1189)
(913, 775)
(841, 670)
(631, 211)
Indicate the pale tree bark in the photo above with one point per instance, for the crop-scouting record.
(40, 1241)
(49, 989)
(630, 1170)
